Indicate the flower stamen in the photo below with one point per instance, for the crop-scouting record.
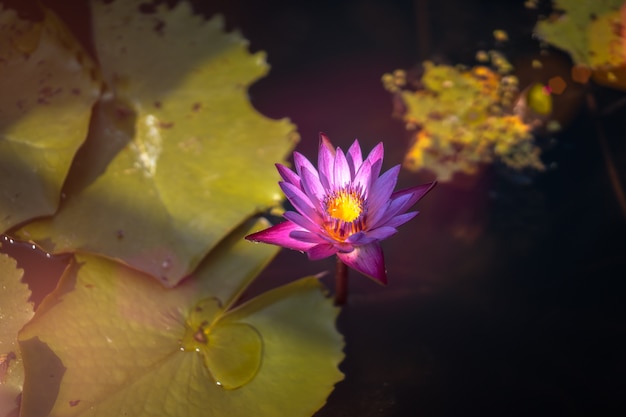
(344, 205)
(346, 211)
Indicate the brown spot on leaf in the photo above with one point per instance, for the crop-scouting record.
(147, 8)
(433, 115)
(200, 337)
(48, 92)
(191, 144)
(159, 27)
(123, 112)
(5, 360)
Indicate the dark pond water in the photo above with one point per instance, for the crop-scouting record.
(503, 298)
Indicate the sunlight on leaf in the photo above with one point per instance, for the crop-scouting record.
(47, 89)
(177, 157)
(129, 346)
(15, 311)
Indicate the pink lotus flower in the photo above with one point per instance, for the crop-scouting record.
(345, 208)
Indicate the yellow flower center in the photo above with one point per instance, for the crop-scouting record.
(345, 206)
(346, 213)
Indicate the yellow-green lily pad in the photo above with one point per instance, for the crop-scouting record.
(15, 311)
(177, 156)
(588, 30)
(47, 85)
(116, 342)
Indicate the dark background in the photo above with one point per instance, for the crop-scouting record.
(505, 297)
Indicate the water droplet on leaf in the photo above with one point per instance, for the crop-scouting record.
(166, 264)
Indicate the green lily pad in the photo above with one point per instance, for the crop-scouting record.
(116, 342)
(15, 311)
(587, 31)
(48, 88)
(176, 157)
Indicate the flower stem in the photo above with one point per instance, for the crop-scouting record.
(341, 283)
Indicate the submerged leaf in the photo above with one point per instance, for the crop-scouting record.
(15, 311)
(464, 119)
(47, 89)
(128, 346)
(177, 157)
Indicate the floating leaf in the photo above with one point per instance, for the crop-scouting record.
(176, 157)
(47, 89)
(116, 342)
(15, 311)
(592, 33)
(465, 120)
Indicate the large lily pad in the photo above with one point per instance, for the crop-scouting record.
(176, 156)
(47, 89)
(15, 311)
(116, 342)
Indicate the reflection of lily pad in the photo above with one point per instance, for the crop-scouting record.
(15, 311)
(176, 157)
(128, 346)
(47, 93)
